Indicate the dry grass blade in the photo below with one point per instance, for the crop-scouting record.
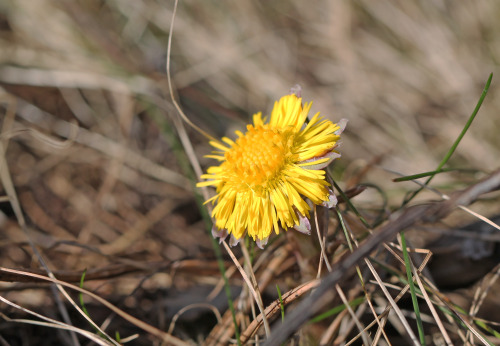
(407, 218)
(138, 229)
(169, 79)
(131, 158)
(193, 306)
(254, 289)
(481, 293)
(255, 286)
(58, 325)
(366, 338)
(8, 185)
(462, 319)
(141, 324)
(430, 304)
(8, 121)
(384, 315)
(396, 309)
(148, 82)
(480, 217)
(332, 329)
(321, 241)
(57, 144)
(483, 290)
(275, 307)
(54, 324)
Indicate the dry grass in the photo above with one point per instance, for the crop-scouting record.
(95, 174)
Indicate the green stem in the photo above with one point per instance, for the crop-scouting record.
(457, 141)
(413, 292)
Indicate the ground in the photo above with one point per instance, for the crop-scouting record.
(98, 170)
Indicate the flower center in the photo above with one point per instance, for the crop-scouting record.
(258, 157)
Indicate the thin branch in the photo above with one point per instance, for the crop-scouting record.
(410, 216)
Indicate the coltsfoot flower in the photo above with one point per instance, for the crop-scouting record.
(267, 175)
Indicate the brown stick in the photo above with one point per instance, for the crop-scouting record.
(408, 217)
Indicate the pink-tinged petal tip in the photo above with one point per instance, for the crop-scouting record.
(304, 225)
(342, 124)
(332, 200)
(296, 90)
(219, 233)
(233, 241)
(332, 155)
(262, 242)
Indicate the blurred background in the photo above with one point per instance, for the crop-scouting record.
(406, 76)
(91, 141)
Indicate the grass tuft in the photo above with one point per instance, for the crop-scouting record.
(106, 109)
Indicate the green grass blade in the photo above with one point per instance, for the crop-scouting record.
(82, 304)
(413, 292)
(353, 303)
(346, 233)
(487, 328)
(281, 304)
(80, 295)
(467, 125)
(457, 141)
(349, 204)
(423, 175)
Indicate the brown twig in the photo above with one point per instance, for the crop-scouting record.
(275, 307)
(408, 217)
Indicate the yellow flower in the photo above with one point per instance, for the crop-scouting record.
(267, 174)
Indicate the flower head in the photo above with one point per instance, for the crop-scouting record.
(267, 174)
